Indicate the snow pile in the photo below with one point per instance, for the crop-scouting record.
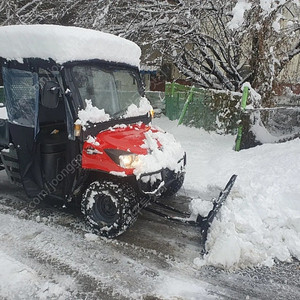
(260, 221)
(143, 108)
(64, 44)
(3, 113)
(164, 152)
(91, 114)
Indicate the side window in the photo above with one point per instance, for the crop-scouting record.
(21, 95)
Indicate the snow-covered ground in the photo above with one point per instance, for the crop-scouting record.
(261, 218)
(53, 255)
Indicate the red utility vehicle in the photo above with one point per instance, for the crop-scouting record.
(78, 127)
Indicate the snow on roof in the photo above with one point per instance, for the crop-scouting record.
(65, 43)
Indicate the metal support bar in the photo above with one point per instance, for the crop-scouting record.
(172, 218)
(172, 208)
(202, 222)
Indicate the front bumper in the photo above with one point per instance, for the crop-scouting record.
(155, 183)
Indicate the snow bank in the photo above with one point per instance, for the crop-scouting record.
(260, 220)
(64, 44)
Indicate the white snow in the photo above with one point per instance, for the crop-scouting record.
(276, 24)
(260, 220)
(91, 114)
(3, 113)
(267, 7)
(163, 152)
(183, 288)
(18, 280)
(270, 5)
(254, 96)
(92, 140)
(95, 115)
(143, 108)
(238, 14)
(120, 174)
(64, 44)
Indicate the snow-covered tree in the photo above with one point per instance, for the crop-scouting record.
(271, 29)
(38, 11)
(217, 44)
(191, 34)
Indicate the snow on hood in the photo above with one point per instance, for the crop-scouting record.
(164, 152)
(143, 108)
(95, 115)
(65, 43)
(91, 114)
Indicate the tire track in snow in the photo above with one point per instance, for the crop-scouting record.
(157, 255)
(115, 272)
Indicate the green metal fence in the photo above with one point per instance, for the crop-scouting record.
(209, 109)
(226, 112)
(1, 94)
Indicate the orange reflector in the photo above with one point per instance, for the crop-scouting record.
(77, 129)
(152, 113)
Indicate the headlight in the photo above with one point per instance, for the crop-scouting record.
(128, 161)
(123, 158)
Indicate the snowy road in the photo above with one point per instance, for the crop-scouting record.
(50, 253)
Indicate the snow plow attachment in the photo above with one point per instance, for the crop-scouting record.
(184, 217)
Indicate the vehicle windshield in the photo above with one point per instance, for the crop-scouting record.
(110, 89)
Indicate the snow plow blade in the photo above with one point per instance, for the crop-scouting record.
(205, 222)
(202, 222)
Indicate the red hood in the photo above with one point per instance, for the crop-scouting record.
(128, 138)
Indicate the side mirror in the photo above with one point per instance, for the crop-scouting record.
(50, 94)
